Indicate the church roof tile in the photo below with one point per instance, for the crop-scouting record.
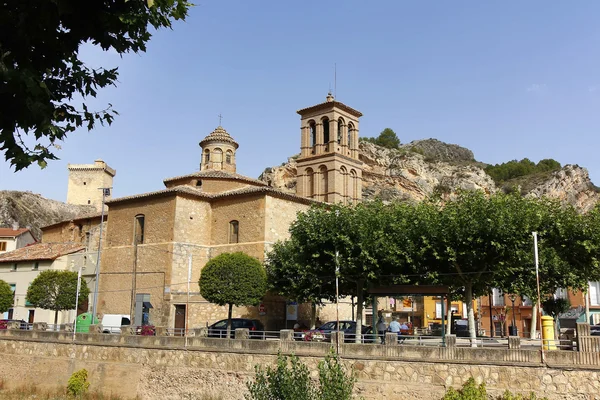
(219, 135)
(218, 175)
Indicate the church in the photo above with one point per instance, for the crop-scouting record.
(156, 243)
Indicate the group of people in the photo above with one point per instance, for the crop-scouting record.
(394, 327)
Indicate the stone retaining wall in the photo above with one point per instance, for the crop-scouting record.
(162, 368)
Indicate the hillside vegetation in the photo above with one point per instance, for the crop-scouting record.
(515, 169)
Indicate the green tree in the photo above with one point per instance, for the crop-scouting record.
(387, 138)
(350, 242)
(233, 279)
(56, 291)
(472, 241)
(42, 72)
(6, 297)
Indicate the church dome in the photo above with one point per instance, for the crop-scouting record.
(219, 135)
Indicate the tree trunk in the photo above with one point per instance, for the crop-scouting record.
(470, 313)
(229, 321)
(534, 318)
(588, 316)
(359, 311)
(448, 315)
(55, 319)
(313, 315)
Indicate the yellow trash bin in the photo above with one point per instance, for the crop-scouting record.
(548, 333)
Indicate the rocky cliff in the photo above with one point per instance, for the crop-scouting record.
(423, 168)
(34, 211)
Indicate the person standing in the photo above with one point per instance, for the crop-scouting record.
(381, 328)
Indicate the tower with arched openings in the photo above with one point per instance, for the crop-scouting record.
(218, 151)
(329, 169)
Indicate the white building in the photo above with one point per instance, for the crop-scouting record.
(14, 238)
(21, 266)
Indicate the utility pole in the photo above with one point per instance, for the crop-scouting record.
(77, 302)
(337, 302)
(187, 303)
(105, 192)
(537, 278)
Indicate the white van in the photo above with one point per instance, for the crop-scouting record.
(112, 323)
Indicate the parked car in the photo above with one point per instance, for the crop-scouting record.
(595, 330)
(112, 323)
(219, 329)
(4, 323)
(323, 333)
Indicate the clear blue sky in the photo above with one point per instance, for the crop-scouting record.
(506, 79)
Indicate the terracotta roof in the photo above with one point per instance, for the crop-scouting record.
(267, 190)
(330, 104)
(41, 251)
(218, 175)
(188, 190)
(219, 135)
(78, 218)
(159, 193)
(10, 232)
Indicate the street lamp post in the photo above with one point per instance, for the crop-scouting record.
(513, 297)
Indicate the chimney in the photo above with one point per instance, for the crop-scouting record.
(15, 225)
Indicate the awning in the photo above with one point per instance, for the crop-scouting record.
(147, 304)
(422, 290)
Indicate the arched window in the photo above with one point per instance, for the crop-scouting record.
(350, 129)
(228, 156)
(313, 133)
(310, 182)
(344, 173)
(325, 123)
(138, 233)
(354, 186)
(206, 156)
(324, 189)
(217, 158)
(234, 231)
(340, 130)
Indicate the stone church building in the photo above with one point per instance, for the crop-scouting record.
(154, 239)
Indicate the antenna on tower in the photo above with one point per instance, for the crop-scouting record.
(335, 80)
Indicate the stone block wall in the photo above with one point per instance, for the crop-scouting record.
(165, 368)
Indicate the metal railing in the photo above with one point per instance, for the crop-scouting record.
(367, 338)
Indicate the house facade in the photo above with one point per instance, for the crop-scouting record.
(21, 266)
(14, 238)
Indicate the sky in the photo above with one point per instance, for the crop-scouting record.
(507, 80)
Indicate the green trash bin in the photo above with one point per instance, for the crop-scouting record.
(84, 321)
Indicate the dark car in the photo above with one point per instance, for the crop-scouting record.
(219, 329)
(595, 330)
(323, 333)
(4, 323)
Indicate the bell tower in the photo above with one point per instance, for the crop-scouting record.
(329, 169)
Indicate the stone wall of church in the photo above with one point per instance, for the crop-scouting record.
(248, 211)
(280, 214)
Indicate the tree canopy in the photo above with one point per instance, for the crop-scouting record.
(472, 243)
(56, 291)
(387, 138)
(514, 169)
(42, 72)
(233, 279)
(6, 296)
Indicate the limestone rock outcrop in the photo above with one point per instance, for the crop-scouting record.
(572, 185)
(34, 211)
(430, 167)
